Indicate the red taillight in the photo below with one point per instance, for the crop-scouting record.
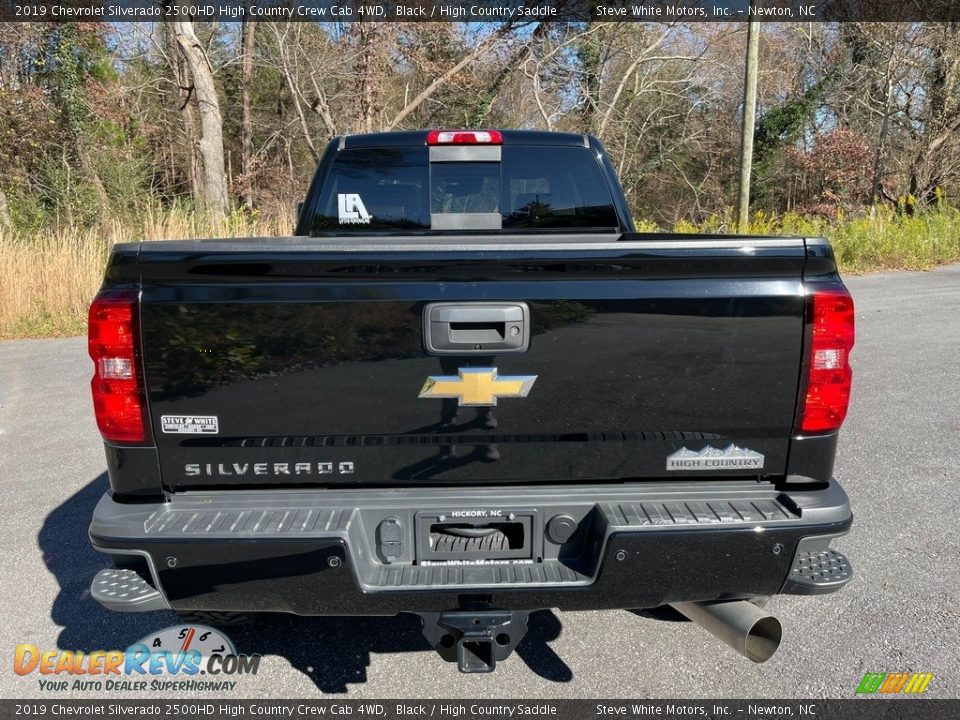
(117, 389)
(829, 376)
(464, 137)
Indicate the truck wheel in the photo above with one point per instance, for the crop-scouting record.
(217, 618)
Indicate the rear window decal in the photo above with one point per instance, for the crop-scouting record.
(351, 210)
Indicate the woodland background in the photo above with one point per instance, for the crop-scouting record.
(185, 129)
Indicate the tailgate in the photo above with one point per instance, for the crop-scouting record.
(302, 362)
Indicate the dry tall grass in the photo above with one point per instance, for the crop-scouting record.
(47, 279)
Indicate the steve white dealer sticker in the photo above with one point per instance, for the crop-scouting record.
(206, 424)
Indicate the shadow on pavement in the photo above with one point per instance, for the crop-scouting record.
(331, 651)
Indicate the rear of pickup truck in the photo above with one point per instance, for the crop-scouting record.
(471, 425)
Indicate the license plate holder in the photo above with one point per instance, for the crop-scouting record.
(475, 536)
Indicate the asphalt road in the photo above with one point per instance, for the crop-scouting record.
(899, 458)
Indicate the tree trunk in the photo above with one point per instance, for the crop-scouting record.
(86, 166)
(211, 123)
(246, 81)
(368, 69)
(881, 142)
(6, 223)
(590, 56)
(184, 101)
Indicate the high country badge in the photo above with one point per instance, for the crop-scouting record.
(710, 458)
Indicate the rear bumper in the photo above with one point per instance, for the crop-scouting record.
(327, 552)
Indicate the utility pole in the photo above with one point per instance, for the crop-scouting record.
(749, 116)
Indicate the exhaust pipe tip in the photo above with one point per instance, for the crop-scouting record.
(740, 624)
(763, 639)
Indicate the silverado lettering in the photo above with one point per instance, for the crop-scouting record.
(278, 468)
(467, 319)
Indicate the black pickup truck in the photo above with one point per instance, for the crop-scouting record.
(467, 389)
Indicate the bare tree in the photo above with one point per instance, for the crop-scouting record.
(290, 77)
(515, 61)
(369, 68)
(246, 131)
(214, 187)
(484, 47)
(185, 107)
(937, 151)
(549, 78)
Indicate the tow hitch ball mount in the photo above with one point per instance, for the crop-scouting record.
(475, 640)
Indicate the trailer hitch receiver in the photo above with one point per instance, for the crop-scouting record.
(475, 640)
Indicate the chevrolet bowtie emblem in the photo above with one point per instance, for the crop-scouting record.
(477, 386)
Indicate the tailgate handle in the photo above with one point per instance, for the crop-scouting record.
(476, 328)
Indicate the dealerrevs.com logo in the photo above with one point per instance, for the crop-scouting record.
(174, 658)
(894, 683)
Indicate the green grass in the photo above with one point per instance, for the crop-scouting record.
(45, 325)
(887, 240)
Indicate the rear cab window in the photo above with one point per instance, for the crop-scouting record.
(529, 188)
